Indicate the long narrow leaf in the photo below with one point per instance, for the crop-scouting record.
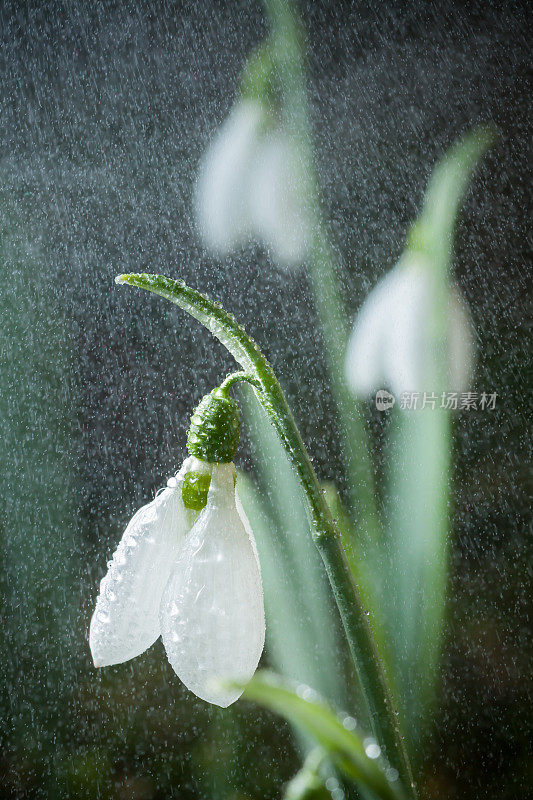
(326, 658)
(418, 464)
(356, 755)
(448, 183)
(287, 639)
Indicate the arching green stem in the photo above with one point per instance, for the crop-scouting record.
(326, 536)
(234, 378)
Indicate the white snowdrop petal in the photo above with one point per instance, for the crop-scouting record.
(278, 200)
(212, 612)
(222, 191)
(126, 619)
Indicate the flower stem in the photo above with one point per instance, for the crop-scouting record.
(353, 614)
(326, 536)
(234, 378)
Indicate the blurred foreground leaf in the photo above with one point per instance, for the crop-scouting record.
(357, 756)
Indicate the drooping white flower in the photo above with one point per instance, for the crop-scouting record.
(212, 612)
(391, 342)
(126, 618)
(192, 577)
(251, 186)
(222, 198)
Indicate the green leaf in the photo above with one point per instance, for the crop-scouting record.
(433, 231)
(340, 736)
(324, 661)
(367, 570)
(418, 491)
(287, 640)
(417, 499)
(291, 639)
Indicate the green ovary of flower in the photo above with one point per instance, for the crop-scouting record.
(195, 489)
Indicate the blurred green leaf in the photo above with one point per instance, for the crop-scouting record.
(418, 463)
(357, 756)
(367, 571)
(307, 642)
(433, 230)
(287, 639)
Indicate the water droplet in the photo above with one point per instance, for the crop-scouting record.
(350, 723)
(372, 748)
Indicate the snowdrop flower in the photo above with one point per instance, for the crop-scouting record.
(211, 613)
(187, 569)
(390, 345)
(251, 186)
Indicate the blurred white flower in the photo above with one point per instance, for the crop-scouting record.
(250, 186)
(193, 578)
(391, 342)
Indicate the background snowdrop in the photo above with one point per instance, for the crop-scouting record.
(391, 344)
(251, 186)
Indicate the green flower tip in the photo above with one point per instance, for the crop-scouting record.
(214, 432)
